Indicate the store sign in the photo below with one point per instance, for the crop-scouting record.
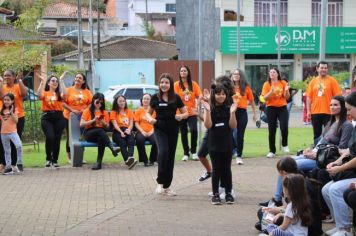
(294, 40)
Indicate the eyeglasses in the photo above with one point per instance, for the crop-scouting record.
(78, 77)
(54, 81)
(97, 102)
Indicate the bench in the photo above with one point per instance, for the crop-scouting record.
(76, 145)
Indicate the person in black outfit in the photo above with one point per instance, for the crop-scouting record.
(165, 103)
(350, 199)
(220, 119)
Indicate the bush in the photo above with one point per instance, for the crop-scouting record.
(32, 130)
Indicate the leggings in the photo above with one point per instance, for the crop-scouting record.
(15, 139)
(274, 114)
(99, 136)
(239, 132)
(126, 144)
(191, 121)
(319, 121)
(140, 143)
(221, 163)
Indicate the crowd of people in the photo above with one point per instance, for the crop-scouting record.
(310, 192)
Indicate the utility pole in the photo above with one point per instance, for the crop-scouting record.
(238, 31)
(324, 4)
(200, 63)
(98, 33)
(146, 15)
(279, 34)
(92, 65)
(80, 38)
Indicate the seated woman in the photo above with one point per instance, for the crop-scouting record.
(333, 191)
(145, 132)
(95, 121)
(337, 132)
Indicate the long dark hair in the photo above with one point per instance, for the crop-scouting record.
(215, 89)
(342, 116)
(85, 84)
(58, 93)
(115, 106)
(12, 98)
(97, 96)
(189, 79)
(171, 94)
(351, 99)
(279, 74)
(243, 81)
(288, 165)
(298, 195)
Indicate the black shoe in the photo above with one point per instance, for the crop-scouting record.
(48, 164)
(205, 176)
(96, 166)
(229, 199)
(215, 200)
(151, 163)
(131, 162)
(258, 226)
(114, 150)
(20, 167)
(8, 171)
(277, 203)
(55, 165)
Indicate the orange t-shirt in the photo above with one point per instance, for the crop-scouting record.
(320, 92)
(277, 99)
(188, 97)
(122, 119)
(140, 118)
(242, 101)
(50, 102)
(77, 99)
(86, 116)
(15, 90)
(8, 125)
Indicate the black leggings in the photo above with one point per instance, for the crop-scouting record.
(319, 121)
(241, 117)
(126, 144)
(140, 143)
(221, 163)
(274, 114)
(167, 143)
(191, 121)
(52, 124)
(99, 136)
(20, 127)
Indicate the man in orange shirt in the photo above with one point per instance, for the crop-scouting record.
(319, 93)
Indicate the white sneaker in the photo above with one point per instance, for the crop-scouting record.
(195, 157)
(159, 189)
(221, 191)
(342, 233)
(285, 149)
(185, 158)
(239, 161)
(169, 192)
(270, 155)
(331, 231)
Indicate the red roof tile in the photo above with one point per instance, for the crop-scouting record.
(68, 10)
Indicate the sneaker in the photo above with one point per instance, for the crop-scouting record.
(15, 169)
(331, 231)
(131, 162)
(169, 192)
(229, 199)
(55, 165)
(84, 162)
(222, 193)
(276, 203)
(204, 176)
(185, 158)
(215, 200)
(20, 167)
(328, 219)
(48, 164)
(285, 149)
(159, 189)
(258, 226)
(195, 157)
(270, 155)
(8, 171)
(239, 161)
(342, 233)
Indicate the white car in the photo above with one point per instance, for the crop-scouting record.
(132, 93)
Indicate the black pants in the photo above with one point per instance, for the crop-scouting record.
(241, 117)
(20, 127)
(274, 114)
(350, 199)
(319, 121)
(99, 136)
(140, 143)
(126, 144)
(203, 147)
(323, 177)
(191, 121)
(221, 163)
(52, 124)
(166, 139)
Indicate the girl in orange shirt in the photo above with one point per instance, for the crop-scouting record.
(189, 91)
(145, 132)
(276, 92)
(9, 134)
(52, 92)
(243, 95)
(122, 119)
(95, 121)
(78, 98)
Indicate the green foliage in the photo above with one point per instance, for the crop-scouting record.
(150, 30)
(32, 130)
(62, 46)
(58, 70)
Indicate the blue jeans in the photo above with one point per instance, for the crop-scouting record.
(333, 196)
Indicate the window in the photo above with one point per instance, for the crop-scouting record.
(133, 93)
(151, 91)
(170, 7)
(266, 12)
(67, 28)
(334, 14)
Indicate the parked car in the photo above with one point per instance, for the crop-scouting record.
(132, 93)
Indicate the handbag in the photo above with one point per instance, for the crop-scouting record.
(346, 174)
(326, 154)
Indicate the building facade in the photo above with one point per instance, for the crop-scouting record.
(300, 36)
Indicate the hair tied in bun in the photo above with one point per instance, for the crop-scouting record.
(213, 86)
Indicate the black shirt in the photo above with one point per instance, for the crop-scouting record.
(164, 110)
(220, 133)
